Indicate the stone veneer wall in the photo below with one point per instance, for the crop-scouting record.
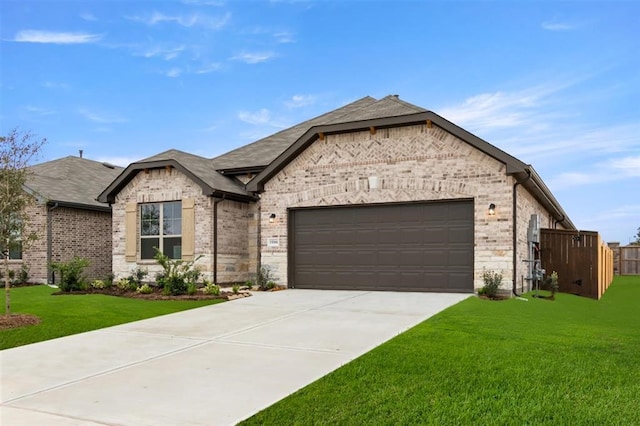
(404, 164)
(82, 233)
(159, 185)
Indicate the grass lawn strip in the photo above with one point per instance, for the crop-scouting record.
(569, 361)
(65, 315)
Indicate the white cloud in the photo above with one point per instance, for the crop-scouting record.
(38, 110)
(88, 16)
(55, 85)
(206, 69)
(35, 36)
(173, 72)
(261, 117)
(611, 170)
(253, 57)
(627, 166)
(215, 3)
(555, 25)
(100, 118)
(298, 101)
(190, 20)
(284, 37)
(165, 53)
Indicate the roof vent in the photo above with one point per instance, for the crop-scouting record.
(108, 165)
(80, 151)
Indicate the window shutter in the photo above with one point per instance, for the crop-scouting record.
(130, 232)
(188, 229)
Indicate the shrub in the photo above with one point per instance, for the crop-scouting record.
(492, 281)
(249, 284)
(552, 282)
(211, 288)
(271, 285)
(235, 289)
(71, 278)
(136, 277)
(23, 275)
(144, 289)
(177, 275)
(265, 275)
(191, 289)
(123, 284)
(109, 280)
(98, 284)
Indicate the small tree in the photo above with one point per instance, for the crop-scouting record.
(637, 237)
(17, 150)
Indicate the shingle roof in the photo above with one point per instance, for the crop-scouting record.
(72, 181)
(199, 169)
(264, 151)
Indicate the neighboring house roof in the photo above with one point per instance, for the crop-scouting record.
(198, 169)
(71, 182)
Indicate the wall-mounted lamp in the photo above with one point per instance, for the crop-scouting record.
(272, 217)
(492, 209)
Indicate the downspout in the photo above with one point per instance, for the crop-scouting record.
(50, 274)
(556, 222)
(515, 231)
(215, 238)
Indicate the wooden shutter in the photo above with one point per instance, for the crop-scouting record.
(188, 229)
(130, 232)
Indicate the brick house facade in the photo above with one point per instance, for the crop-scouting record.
(67, 219)
(373, 153)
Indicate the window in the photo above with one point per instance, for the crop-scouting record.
(15, 246)
(161, 227)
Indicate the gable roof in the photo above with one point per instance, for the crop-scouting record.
(261, 153)
(523, 173)
(71, 181)
(198, 169)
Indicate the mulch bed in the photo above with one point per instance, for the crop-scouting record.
(17, 320)
(157, 294)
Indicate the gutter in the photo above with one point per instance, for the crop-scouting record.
(515, 230)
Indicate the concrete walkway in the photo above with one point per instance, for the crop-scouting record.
(214, 365)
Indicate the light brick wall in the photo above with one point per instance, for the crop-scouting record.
(160, 185)
(404, 164)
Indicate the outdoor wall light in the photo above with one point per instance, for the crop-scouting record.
(272, 217)
(492, 209)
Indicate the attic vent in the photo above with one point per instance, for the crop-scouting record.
(108, 165)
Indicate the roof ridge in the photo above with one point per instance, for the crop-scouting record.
(365, 98)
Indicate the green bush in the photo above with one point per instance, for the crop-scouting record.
(211, 288)
(265, 276)
(71, 278)
(123, 284)
(98, 284)
(235, 289)
(23, 275)
(492, 281)
(177, 275)
(144, 289)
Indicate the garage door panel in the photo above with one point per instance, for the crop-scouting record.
(412, 247)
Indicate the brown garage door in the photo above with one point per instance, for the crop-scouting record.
(400, 247)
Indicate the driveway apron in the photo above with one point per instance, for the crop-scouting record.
(214, 365)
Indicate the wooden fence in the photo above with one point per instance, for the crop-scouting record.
(629, 260)
(584, 263)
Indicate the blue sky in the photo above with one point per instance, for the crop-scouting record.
(556, 84)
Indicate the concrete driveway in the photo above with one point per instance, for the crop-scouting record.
(214, 365)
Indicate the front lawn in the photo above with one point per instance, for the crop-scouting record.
(70, 314)
(569, 361)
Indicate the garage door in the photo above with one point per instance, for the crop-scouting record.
(400, 247)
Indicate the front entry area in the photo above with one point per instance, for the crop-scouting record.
(425, 246)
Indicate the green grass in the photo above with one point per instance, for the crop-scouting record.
(572, 361)
(70, 314)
